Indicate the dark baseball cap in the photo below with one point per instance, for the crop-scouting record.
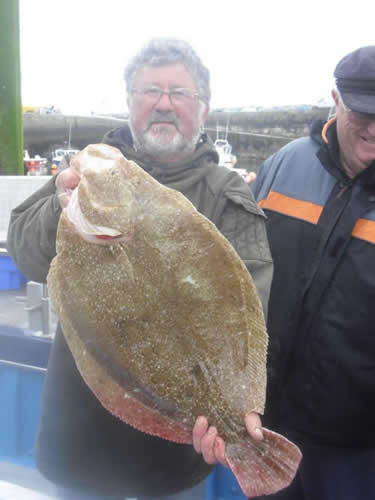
(355, 79)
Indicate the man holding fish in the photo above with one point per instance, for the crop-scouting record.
(82, 447)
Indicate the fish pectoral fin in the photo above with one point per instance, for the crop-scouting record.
(263, 467)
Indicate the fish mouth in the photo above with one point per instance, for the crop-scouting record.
(100, 232)
(108, 237)
(102, 236)
(88, 231)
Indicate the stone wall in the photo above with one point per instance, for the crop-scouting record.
(255, 136)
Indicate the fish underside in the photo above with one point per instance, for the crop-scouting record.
(166, 325)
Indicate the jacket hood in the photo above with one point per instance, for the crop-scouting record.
(316, 131)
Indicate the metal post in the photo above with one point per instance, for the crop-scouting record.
(45, 312)
(11, 117)
(70, 134)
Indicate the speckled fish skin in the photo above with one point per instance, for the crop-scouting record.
(164, 322)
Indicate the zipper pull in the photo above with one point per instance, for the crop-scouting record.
(344, 186)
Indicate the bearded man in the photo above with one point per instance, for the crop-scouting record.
(81, 447)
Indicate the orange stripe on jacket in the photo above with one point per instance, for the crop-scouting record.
(364, 229)
(290, 206)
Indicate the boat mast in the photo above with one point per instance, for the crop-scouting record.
(11, 117)
(227, 127)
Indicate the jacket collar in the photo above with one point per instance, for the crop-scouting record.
(325, 134)
(179, 176)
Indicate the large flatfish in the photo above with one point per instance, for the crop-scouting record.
(162, 317)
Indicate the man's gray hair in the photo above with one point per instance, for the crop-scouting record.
(162, 51)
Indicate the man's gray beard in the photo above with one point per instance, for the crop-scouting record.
(154, 145)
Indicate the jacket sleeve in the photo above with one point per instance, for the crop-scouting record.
(263, 181)
(243, 224)
(31, 239)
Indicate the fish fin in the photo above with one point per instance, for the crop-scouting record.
(263, 467)
(122, 403)
(124, 406)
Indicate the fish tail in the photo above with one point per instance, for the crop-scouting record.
(263, 467)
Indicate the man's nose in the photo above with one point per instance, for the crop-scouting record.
(164, 103)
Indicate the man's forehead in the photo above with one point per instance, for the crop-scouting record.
(174, 75)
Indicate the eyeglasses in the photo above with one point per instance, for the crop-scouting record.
(176, 96)
(357, 115)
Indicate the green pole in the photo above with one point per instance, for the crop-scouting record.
(11, 117)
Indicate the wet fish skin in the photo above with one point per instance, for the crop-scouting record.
(165, 324)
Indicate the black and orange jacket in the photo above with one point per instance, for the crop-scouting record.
(321, 322)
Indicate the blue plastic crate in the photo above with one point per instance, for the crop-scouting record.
(20, 397)
(222, 485)
(10, 277)
(22, 372)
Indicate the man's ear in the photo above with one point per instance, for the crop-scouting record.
(205, 112)
(335, 96)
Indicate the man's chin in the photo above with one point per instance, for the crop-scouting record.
(161, 129)
(166, 142)
(164, 139)
(168, 139)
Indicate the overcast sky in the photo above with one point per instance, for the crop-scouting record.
(259, 52)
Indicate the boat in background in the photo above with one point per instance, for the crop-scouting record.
(229, 160)
(36, 165)
(224, 149)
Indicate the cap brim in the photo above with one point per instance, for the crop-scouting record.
(361, 103)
